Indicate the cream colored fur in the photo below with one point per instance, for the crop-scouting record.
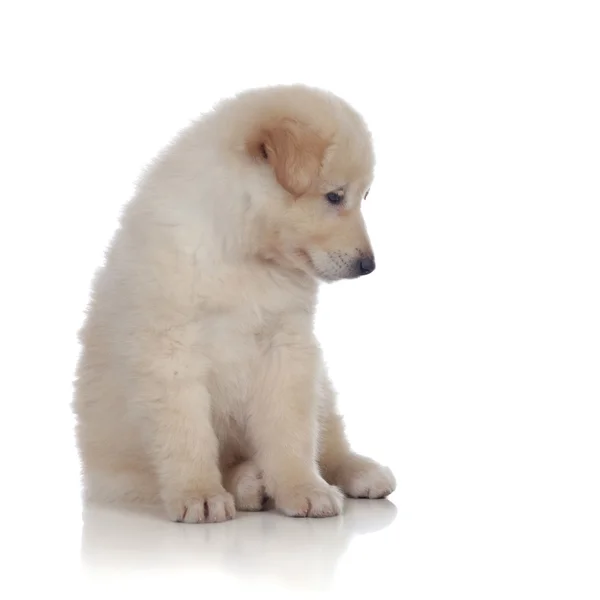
(201, 384)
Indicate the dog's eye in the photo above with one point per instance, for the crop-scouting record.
(334, 198)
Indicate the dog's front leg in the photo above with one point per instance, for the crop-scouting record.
(283, 427)
(174, 407)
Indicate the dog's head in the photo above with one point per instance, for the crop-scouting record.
(317, 153)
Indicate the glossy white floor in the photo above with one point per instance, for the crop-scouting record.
(256, 552)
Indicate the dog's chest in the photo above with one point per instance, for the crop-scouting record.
(239, 341)
(238, 348)
(246, 318)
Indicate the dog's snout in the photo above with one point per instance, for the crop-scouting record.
(366, 265)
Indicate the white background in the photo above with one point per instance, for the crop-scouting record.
(469, 362)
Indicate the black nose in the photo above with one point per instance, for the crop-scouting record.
(366, 265)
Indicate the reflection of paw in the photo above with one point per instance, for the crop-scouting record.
(211, 507)
(245, 482)
(361, 477)
(313, 499)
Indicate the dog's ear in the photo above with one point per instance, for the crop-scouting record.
(294, 151)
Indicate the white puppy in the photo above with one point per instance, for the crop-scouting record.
(201, 383)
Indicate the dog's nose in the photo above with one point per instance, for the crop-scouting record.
(366, 265)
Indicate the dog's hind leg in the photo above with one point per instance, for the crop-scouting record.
(357, 476)
(245, 482)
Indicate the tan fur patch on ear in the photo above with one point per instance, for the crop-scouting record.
(294, 151)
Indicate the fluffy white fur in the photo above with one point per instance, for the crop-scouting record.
(201, 384)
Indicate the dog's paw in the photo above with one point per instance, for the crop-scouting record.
(245, 482)
(211, 507)
(362, 477)
(314, 499)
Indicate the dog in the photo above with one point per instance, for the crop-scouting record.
(200, 383)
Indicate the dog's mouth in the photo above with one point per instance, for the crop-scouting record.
(307, 264)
